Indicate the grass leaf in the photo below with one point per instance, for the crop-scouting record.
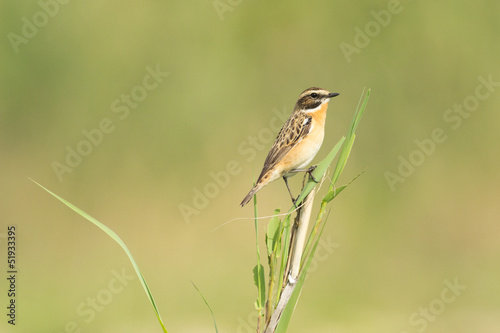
(333, 193)
(351, 136)
(258, 271)
(208, 305)
(259, 280)
(117, 239)
(272, 233)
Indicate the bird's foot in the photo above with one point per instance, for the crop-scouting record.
(310, 170)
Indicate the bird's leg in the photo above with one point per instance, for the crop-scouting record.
(309, 171)
(288, 187)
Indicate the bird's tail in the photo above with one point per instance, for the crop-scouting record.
(251, 194)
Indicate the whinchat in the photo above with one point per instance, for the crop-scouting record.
(298, 140)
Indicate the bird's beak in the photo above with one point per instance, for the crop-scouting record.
(330, 95)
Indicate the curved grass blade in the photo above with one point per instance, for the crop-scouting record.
(258, 271)
(117, 239)
(351, 136)
(333, 193)
(208, 305)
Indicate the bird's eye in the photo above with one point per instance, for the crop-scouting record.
(314, 95)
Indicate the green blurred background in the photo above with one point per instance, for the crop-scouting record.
(233, 67)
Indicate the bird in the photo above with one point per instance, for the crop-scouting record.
(298, 141)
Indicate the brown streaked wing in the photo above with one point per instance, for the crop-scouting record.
(294, 130)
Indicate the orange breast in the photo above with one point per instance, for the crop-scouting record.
(320, 114)
(303, 153)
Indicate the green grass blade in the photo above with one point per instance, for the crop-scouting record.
(351, 136)
(208, 305)
(332, 194)
(117, 239)
(272, 243)
(285, 246)
(258, 272)
(273, 233)
(359, 114)
(259, 280)
(342, 161)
